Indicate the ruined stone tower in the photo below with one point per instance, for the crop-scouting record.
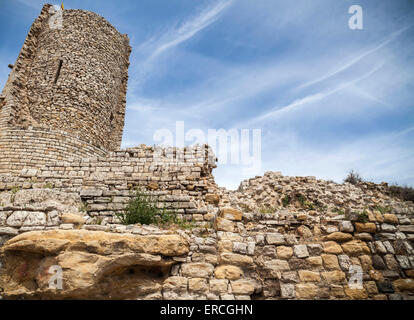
(65, 96)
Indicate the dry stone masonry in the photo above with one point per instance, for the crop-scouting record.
(65, 97)
(63, 180)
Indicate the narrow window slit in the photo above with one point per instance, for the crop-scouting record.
(58, 71)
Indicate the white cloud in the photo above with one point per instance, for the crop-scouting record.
(158, 44)
(187, 30)
(357, 59)
(377, 157)
(295, 105)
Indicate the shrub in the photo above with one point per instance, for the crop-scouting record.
(363, 217)
(144, 208)
(338, 211)
(267, 210)
(402, 192)
(301, 200)
(382, 209)
(285, 200)
(353, 177)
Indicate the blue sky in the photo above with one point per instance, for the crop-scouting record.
(328, 99)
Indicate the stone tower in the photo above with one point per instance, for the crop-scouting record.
(66, 94)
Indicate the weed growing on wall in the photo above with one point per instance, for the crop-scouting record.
(144, 208)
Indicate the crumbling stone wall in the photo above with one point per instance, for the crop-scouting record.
(180, 178)
(70, 80)
(61, 183)
(290, 251)
(22, 148)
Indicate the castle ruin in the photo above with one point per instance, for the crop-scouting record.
(63, 179)
(66, 94)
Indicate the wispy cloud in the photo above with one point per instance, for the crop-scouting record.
(172, 37)
(186, 30)
(357, 59)
(277, 111)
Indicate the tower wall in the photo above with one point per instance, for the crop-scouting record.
(66, 95)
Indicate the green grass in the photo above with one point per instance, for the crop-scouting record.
(98, 220)
(145, 209)
(267, 210)
(83, 207)
(301, 200)
(15, 189)
(382, 209)
(363, 217)
(285, 200)
(338, 211)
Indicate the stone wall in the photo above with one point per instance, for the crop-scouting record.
(32, 148)
(62, 183)
(299, 249)
(72, 80)
(181, 179)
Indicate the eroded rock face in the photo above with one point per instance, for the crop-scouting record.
(94, 264)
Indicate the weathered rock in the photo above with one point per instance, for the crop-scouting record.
(332, 247)
(213, 199)
(228, 272)
(355, 247)
(222, 224)
(306, 291)
(284, 252)
(407, 228)
(35, 219)
(288, 290)
(97, 265)
(304, 232)
(275, 238)
(339, 237)
(356, 294)
(315, 249)
(314, 261)
(231, 214)
(176, 284)
(301, 251)
(8, 231)
(243, 286)
(344, 262)
(390, 218)
(96, 241)
(218, 286)
(274, 267)
(72, 218)
(197, 270)
(236, 259)
(333, 276)
(198, 285)
(17, 218)
(365, 227)
(309, 276)
(346, 226)
(385, 287)
(153, 186)
(378, 263)
(330, 261)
